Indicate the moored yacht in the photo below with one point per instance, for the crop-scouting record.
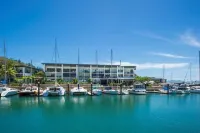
(78, 91)
(96, 90)
(8, 92)
(185, 88)
(195, 90)
(29, 91)
(54, 91)
(138, 89)
(2, 89)
(165, 90)
(109, 90)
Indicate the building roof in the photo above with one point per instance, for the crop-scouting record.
(86, 64)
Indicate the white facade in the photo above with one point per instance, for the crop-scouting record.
(84, 72)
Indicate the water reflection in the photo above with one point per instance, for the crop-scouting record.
(127, 113)
(5, 102)
(104, 103)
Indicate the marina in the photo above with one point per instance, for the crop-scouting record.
(107, 113)
(108, 66)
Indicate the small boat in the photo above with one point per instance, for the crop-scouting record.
(166, 90)
(185, 88)
(29, 91)
(2, 89)
(109, 90)
(96, 90)
(194, 90)
(78, 91)
(124, 91)
(8, 92)
(138, 89)
(180, 92)
(54, 91)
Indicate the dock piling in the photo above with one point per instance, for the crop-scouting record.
(167, 88)
(38, 88)
(120, 89)
(68, 88)
(91, 89)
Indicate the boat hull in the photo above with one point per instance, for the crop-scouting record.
(78, 93)
(96, 92)
(111, 92)
(27, 93)
(9, 93)
(195, 91)
(138, 93)
(53, 93)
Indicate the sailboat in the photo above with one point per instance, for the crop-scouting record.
(165, 88)
(55, 90)
(6, 91)
(110, 90)
(196, 89)
(96, 88)
(78, 90)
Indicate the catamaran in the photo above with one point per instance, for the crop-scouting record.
(138, 89)
(111, 91)
(55, 90)
(78, 91)
(95, 90)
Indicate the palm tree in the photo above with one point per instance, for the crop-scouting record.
(74, 81)
(10, 70)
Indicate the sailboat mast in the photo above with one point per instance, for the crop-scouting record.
(111, 58)
(55, 62)
(171, 77)
(97, 64)
(78, 64)
(199, 67)
(5, 63)
(31, 73)
(163, 72)
(190, 73)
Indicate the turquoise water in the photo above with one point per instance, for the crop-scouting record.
(153, 113)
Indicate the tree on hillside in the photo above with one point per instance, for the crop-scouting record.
(141, 79)
(9, 68)
(40, 74)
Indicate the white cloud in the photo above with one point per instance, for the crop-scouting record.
(170, 55)
(150, 65)
(155, 36)
(190, 39)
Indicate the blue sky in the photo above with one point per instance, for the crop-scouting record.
(140, 32)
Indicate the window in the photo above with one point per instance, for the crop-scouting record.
(66, 75)
(66, 70)
(50, 70)
(73, 75)
(73, 70)
(58, 69)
